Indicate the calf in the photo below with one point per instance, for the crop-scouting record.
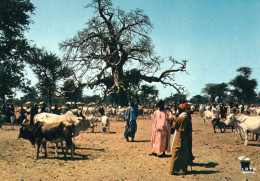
(219, 124)
(41, 132)
(105, 124)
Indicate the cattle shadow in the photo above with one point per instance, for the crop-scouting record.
(76, 148)
(94, 149)
(253, 144)
(76, 157)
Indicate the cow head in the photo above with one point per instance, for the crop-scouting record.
(230, 119)
(26, 132)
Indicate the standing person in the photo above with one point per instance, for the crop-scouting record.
(67, 108)
(101, 110)
(215, 112)
(182, 143)
(12, 115)
(131, 126)
(161, 130)
(22, 115)
(34, 111)
(55, 110)
(223, 111)
(43, 108)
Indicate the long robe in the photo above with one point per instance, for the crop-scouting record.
(131, 125)
(161, 131)
(181, 151)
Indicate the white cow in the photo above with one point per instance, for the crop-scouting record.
(207, 116)
(120, 114)
(258, 112)
(244, 124)
(105, 124)
(202, 110)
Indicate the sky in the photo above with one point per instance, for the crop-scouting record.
(216, 37)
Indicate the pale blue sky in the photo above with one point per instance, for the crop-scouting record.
(216, 37)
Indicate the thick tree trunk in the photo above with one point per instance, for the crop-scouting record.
(121, 96)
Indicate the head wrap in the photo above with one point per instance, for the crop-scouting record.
(183, 106)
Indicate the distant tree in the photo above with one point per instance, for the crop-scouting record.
(49, 70)
(138, 91)
(114, 42)
(148, 94)
(90, 99)
(177, 98)
(244, 87)
(31, 95)
(216, 92)
(14, 48)
(198, 99)
(71, 91)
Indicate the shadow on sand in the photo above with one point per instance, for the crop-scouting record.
(75, 158)
(253, 144)
(206, 165)
(142, 141)
(101, 132)
(205, 172)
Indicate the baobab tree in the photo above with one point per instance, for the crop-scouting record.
(113, 43)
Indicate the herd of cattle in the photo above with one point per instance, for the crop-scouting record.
(49, 127)
(239, 120)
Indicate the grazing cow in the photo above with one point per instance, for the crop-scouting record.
(105, 124)
(41, 132)
(244, 124)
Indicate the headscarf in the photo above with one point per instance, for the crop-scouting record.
(183, 106)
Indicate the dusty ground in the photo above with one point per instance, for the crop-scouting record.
(101, 156)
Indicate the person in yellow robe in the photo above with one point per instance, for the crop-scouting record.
(182, 143)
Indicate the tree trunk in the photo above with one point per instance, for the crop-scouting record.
(50, 98)
(121, 96)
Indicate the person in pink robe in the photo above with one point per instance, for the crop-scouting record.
(161, 130)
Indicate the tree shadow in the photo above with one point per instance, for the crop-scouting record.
(206, 165)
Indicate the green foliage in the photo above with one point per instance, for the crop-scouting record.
(176, 98)
(14, 48)
(71, 91)
(216, 92)
(198, 99)
(49, 70)
(243, 86)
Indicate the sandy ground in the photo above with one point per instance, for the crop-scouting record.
(102, 156)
